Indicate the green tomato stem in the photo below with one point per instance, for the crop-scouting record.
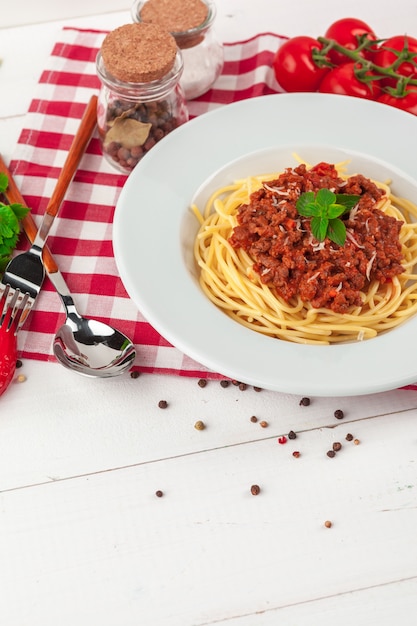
(366, 65)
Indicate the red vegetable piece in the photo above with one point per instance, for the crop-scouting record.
(388, 53)
(346, 32)
(294, 67)
(342, 80)
(406, 103)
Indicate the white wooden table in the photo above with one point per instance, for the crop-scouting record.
(83, 537)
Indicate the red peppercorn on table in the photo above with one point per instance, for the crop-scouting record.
(171, 496)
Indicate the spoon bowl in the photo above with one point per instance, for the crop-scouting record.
(91, 347)
(88, 346)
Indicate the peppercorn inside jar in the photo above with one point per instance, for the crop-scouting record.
(191, 23)
(140, 100)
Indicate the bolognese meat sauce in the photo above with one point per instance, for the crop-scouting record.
(289, 259)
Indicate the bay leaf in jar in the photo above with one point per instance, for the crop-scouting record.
(127, 132)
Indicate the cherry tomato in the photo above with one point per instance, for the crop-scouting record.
(387, 54)
(294, 67)
(346, 32)
(8, 362)
(342, 80)
(7, 371)
(406, 103)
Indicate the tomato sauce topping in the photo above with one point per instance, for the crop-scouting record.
(289, 259)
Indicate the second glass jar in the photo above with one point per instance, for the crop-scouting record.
(201, 51)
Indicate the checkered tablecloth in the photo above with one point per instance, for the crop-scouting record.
(81, 239)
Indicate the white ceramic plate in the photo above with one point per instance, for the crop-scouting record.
(154, 230)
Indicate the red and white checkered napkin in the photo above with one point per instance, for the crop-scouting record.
(81, 239)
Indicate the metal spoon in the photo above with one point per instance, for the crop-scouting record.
(87, 346)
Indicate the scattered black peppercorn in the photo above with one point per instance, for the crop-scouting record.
(159, 493)
(304, 401)
(331, 453)
(337, 446)
(339, 415)
(243, 386)
(349, 437)
(225, 383)
(134, 374)
(162, 404)
(202, 382)
(254, 419)
(257, 388)
(296, 454)
(18, 363)
(255, 490)
(236, 383)
(292, 435)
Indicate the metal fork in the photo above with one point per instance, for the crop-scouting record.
(9, 320)
(24, 275)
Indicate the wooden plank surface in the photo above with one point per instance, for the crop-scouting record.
(208, 549)
(79, 437)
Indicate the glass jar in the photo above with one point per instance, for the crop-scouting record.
(133, 116)
(202, 52)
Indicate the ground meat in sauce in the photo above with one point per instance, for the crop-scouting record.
(287, 256)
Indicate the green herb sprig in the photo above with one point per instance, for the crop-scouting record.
(325, 208)
(10, 217)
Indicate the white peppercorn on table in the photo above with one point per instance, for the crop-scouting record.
(116, 507)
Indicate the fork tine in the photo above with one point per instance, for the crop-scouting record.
(25, 306)
(14, 312)
(3, 301)
(8, 319)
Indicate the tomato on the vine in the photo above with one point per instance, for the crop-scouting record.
(388, 53)
(406, 103)
(294, 67)
(342, 80)
(346, 32)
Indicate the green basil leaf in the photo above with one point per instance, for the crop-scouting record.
(319, 227)
(324, 198)
(306, 205)
(335, 210)
(347, 200)
(337, 231)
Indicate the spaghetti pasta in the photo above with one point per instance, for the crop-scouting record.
(228, 277)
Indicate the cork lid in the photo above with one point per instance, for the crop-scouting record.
(176, 16)
(138, 53)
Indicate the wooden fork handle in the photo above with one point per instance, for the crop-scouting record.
(13, 195)
(77, 149)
